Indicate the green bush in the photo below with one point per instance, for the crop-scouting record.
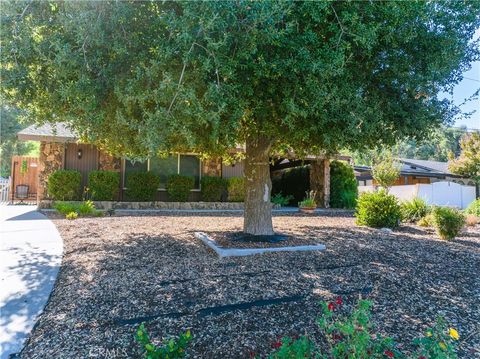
(377, 209)
(65, 207)
(474, 208)
(86, 208)
(293, 182)
(104, 185)
(281, 200)
(343, 185)
(448, 222)
(236, 189)
(179, 187)
(142, 186)
(168, 349)
(72, 215)
(213, 188)
(64, 185)
(426, 221)
(412, 211)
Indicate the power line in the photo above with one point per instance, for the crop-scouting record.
(469, 78)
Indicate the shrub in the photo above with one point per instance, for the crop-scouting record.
(426, 221)
(104, 185)
(281, 200)
(448, 222)
(86, 208)
(169, 349)
(65, 207)
(71, 215)
(474, 208)
(377, 209)
(236, 189)
(343, 185)
(350, 334)
(213, 188)
(64, 185)
(293, 182)
(179, 187)
(142, 186)
(412, 211)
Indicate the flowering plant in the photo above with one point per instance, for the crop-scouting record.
(170, 349)
(439, 342)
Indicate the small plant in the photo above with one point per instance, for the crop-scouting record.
(24, 167)
(179, 187)
(377, 209)
(448, 222)
(289, 348)
(426, 221)
(439, 342)
(170, 349)
(309, 200)
(64, 185)
(236, 189)
(111, 212)
(281, 200)
(86, 208)
(104, 185)
(65, 207)
(213, 188)
(474, 208)
(142, 186)
(71, 215)
(385, 171)
(412, 211)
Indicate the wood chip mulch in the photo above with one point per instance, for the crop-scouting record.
(122, 270)
(241, 240)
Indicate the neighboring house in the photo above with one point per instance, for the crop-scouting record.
(60, 149)
(415, 171)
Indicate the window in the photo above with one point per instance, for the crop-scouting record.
(164, 167)
(190, 166)
(131, 167)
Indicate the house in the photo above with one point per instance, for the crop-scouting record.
(415, 171)
(60, 149)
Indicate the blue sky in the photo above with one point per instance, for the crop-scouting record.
(466, 88)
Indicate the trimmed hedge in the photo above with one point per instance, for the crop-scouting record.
(65, 185)
(448, 222)
(104, 185)
(142, 186)
(213, 188)
(179, 187)
(343, 185)
(377, 209)
(236, 189)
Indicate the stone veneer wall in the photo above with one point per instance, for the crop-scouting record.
(320, 181)
(107, 162)
(52, 155)
(212, 167)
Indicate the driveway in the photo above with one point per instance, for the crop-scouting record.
(30, 257)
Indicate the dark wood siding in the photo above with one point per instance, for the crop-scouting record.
(88, 162)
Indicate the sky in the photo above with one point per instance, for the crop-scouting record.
(465, 89)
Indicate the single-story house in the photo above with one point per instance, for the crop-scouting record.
(60, 149)
(415, 171)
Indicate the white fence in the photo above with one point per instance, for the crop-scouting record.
(439, 193)
(4, 190)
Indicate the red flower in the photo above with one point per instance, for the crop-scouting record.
(331, 306)
(336, 337)
(339, 301)
(388, 353)
(277, 345)
(252, 355)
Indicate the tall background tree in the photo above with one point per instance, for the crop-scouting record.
(10, 124)
(468, 162)
(139, 78)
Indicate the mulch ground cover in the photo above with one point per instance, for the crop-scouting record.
(120, 271)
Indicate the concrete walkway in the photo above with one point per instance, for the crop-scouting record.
(30, 257)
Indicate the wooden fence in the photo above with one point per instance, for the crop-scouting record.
(24, 172)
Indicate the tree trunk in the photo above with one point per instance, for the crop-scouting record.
(258, 186)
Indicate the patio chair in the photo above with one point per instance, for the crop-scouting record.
(21, 192)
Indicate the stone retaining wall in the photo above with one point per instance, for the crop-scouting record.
(45, 204)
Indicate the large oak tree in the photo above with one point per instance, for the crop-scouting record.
(139, 78)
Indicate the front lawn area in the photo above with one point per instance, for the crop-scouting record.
(119, 271)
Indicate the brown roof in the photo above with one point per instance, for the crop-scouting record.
(57, 132)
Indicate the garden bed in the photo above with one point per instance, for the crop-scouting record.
(120, 271)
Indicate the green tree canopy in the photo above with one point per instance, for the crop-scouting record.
(468, 162)
(145, 77)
